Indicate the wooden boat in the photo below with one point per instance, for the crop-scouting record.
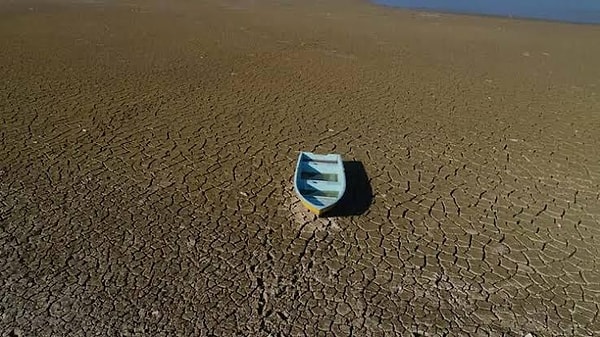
(320, 181)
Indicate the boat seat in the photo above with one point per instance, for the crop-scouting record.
(323, 161)
(319, 184)
(318, 176)
(320, 201)
(321, 167)
(320, 193)
(320, 157)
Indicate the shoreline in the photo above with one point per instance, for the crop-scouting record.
(441, 11)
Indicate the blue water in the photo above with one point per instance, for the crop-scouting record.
(578, 11)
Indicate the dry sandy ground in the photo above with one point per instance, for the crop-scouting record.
(147, 150)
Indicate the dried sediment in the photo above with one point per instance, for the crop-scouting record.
(147, 151)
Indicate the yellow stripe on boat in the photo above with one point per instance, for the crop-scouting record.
(311, 208)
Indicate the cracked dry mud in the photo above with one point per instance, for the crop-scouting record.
(147, 151)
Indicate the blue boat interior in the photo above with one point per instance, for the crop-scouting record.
(319, 180)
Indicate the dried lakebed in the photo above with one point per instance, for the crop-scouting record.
(147, 153)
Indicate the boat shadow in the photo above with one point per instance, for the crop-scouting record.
(359, 194)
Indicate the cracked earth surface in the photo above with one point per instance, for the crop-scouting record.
(147, 151)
